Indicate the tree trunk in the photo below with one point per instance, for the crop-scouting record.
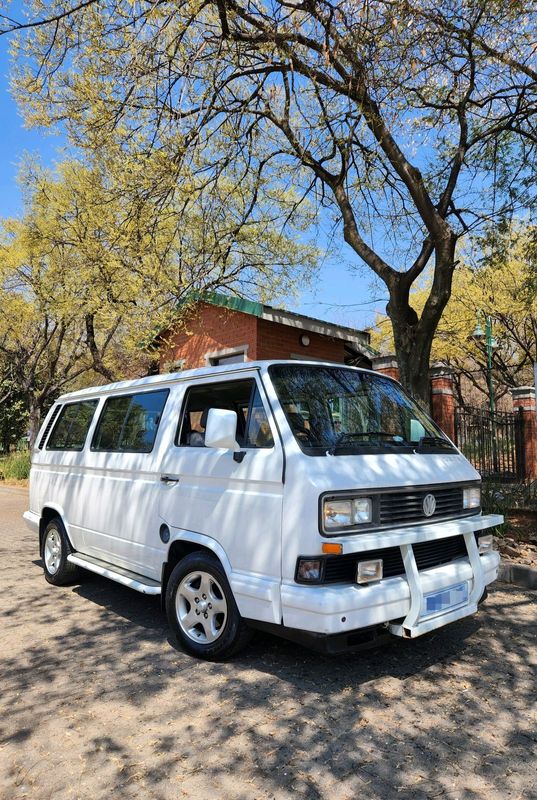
(413, 343)
(413, 351)
(413, 335)
(34, 420)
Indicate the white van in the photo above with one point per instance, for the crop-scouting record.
(314, 500)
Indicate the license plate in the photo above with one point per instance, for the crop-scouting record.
(437, 602)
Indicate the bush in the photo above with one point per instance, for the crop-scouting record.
(517, 495)
(495, 500)
(504, 498)
(16, 466)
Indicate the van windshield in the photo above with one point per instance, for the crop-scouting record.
(341, 411)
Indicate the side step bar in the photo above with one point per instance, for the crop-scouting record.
(124, 576)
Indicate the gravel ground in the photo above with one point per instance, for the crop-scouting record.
(96, 702)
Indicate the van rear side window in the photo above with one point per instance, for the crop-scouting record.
(130, 423)
(72, 426)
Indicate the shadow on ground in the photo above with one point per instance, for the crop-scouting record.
(96, 702)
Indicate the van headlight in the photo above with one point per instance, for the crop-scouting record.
(346, 513)
(471, 497)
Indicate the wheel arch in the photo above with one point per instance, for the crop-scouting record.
(49, 512)
(182, 546)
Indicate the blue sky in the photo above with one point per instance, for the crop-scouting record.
(342, 292)
(15, 140)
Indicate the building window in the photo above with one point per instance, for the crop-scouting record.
(236, 358)
(235, 355)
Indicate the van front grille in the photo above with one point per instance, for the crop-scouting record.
(342, 569)
(407, 507)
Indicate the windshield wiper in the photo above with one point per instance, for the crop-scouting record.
(435, 441)
(349, 437)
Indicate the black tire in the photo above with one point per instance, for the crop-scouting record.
(186, 598)
(54, 551)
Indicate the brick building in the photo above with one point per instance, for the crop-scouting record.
(221, 330)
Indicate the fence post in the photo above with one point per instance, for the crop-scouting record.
(524, 400)
(386, 365)
(442, 399)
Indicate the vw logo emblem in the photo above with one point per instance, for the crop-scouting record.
(429, 505)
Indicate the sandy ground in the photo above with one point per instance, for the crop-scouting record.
(96, 702)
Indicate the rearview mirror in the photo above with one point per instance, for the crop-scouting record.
(221, 429)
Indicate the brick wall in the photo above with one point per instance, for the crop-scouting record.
(524, 399)
(443, 400)
(209, 329)
(281, 341)
(212, 328)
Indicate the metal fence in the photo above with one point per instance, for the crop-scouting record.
(493, 443)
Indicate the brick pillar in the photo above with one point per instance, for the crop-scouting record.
(442, 399)
(524, 400)
(387, 365)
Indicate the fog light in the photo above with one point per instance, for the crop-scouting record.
(485, 543)
(369, 571)
(309, 570)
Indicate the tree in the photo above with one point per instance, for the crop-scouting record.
(40, 356)
(93, 270)
(61, 310)
(496, 279)
(410, 124)
(13, 416)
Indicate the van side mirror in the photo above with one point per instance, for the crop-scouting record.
(221, 429)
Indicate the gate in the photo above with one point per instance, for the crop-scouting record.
(493, 443)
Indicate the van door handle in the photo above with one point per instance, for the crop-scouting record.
(168, 479)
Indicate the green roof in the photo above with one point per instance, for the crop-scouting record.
(236, 303)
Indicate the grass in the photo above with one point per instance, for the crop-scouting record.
(15, 467)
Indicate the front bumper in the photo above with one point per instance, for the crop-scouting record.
(397, 601)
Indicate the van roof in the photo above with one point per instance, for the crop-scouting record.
(185, 375)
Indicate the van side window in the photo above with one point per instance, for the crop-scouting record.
(48, 428)
(72, 426)
(253, 429)
(129, 423)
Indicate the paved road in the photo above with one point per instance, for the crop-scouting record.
(95, 703)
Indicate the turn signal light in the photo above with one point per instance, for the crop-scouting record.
(333, 548)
